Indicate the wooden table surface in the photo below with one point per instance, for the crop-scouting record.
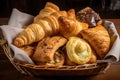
(8, 72)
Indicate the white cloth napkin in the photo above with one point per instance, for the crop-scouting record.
(19, 19)
(114, 52)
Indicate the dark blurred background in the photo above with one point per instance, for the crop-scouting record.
(106, 8)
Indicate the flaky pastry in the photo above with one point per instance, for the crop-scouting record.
(70, 26)
(98, 38)
(78, 50)
(32, 33)
(46, 11)
(46, 25)
(47, 48)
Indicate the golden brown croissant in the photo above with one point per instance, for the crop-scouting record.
(70, 26)
(53, 23)
(46, 11)
(50, 9)
(45, 26)
(98, 38)
(32, 33)
(47, 48)
(78, 50)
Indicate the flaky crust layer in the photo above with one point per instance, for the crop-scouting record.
(70, 26)
(98, 38)
(32, 33)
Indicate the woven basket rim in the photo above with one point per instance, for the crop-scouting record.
(105, 65)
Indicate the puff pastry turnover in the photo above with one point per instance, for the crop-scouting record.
(98, 38)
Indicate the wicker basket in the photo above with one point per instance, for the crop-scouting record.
(34, 70)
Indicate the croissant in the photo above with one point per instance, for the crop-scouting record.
(78, 50)
(50, 9)
(98, 38)
(40, 28)
(70, 26)
(46, 27)
(46, 49)
(46, 11)
(32, 33)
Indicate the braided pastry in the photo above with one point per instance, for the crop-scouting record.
(78, 50)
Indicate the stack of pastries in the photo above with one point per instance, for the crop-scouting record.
(57, 38)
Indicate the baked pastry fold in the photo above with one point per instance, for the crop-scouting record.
(98, 38)
(46, 49)
(70, 26)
